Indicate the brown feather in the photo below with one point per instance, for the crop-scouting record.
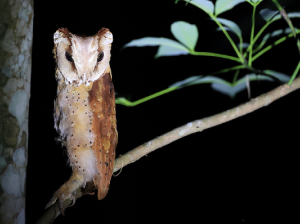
(102, 103)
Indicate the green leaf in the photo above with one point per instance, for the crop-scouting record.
(282, 77)
(156, 41)
(229, 90)
(290, 15)
(206, 6)
(231, 25)
(186, 33)
(240, 85)
(169, 51)
(209, 79)
(268, 14)
(225, 5)
(185, 82)
(245, 45)
(195, 80)
(233, 89)
(274, 34)
(253, 77)
(228, 29)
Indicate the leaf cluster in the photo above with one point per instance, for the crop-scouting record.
(186, 38)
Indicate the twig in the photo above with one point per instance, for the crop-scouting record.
(178, 133)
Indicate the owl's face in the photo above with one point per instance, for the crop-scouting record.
(81, 60)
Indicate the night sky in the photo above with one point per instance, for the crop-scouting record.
(243, 171)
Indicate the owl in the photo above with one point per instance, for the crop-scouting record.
(84, 111)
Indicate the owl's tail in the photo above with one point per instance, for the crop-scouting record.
(105, 169)
(102, 192)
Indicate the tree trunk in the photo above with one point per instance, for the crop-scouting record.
(16, 25)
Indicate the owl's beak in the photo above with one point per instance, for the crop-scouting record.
(83, 78)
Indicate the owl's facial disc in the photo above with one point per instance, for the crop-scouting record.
(82, 60)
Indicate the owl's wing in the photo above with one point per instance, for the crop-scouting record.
(102, 103)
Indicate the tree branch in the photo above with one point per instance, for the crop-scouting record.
(190, 128)
(205, 123)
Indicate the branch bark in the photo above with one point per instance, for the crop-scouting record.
(205, 123)
(187, 129)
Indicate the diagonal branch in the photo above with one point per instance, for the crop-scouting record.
(205, 123)
(178, 133)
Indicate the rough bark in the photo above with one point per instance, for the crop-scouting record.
(16, 25)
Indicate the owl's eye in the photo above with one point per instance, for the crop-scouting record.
(69, 57)
(100, 56)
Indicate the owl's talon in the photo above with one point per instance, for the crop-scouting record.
(73, 202)
(60, 196)
(61, 201)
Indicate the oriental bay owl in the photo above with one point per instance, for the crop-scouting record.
(84, 111)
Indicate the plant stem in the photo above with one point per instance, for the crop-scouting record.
(235, 77)
(215, 55)
(241, 45)
(251, 38)
(277, 4)
(274, 44)
(249, 2)
(258, 48)
(294, 74)
(227, 70)
(261, 31)
(256, 37)
(289, 22)
(230, 40)
(128, 103)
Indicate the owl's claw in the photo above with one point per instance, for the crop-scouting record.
(60, 196)
(61, 201)
(73, 202)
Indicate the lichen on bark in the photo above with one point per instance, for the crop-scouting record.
(16, 25)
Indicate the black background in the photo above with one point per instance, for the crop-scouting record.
(243, 171)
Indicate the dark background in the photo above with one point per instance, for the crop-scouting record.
(241, 171)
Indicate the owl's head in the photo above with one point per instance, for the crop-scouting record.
(81, 60)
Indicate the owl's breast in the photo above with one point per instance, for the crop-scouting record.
(75, 128)
(75, 114)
